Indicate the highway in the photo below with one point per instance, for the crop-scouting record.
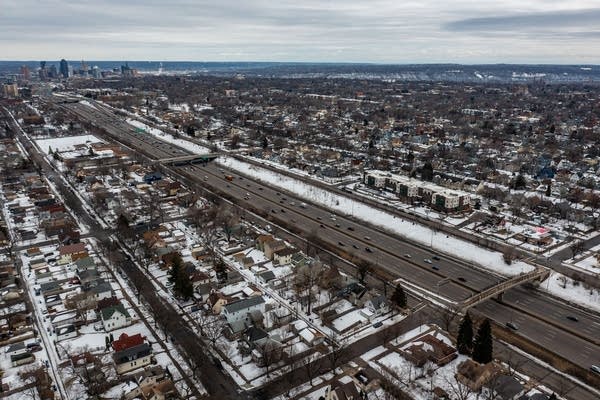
(539, 317)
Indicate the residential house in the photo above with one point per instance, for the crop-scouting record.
(283, 256)
(272, 246)
(216, 302)
(126, 341)
(429, 348)
(71, 252)
(475, 375)
(17, 348)
(114, 317)
(132, 358)
(238, 310)
(311, 336)
(98, 289)
(503, 387)
(342, 391)
(377, 305)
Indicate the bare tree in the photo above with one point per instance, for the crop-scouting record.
(305, 283)
(447, 316)
(459, 391)
(311, 365)
(338, 352)
(211, 326)
(270, 353)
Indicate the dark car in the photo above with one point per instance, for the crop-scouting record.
(435, 267)
(350, 228)
(512, 326)
(341, 244)
(460, 278)
(368, 250)
(572, 318)
(437, 258)
(322, 226)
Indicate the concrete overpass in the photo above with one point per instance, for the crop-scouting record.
(189, 159)
(539, 274)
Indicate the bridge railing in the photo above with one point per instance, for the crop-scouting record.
(539, 273)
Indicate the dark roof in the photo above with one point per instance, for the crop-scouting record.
(243, 304)
(267, 275)
(507, 386)
(253, 334)
(107, 312)
(132, 353)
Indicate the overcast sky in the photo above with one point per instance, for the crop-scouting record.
(380, 31)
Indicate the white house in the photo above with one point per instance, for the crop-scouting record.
(238, 310)
(132, 358)
(114, 317)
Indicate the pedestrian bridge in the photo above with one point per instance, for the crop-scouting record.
(189, 159)
(539, 274)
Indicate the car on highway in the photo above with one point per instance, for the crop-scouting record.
(355, 246)
(350, 228)
(368, 250)
(436, 258)
(260, 188)
(337, 225)
(572, 318)
(367, 238)
(322, 226)
(273, 211)
(281, 201)
(282, 210)
(278, 194)
(595, 368)
(407, 255)
(319, 218)
(293, 203)
(460, 278)
(341, 244)
(205, 177)
(512, 326)
(427, 260)
(435, 267)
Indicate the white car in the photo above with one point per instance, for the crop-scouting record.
(427, 260)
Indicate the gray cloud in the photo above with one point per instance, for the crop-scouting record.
(302, 30)
(554, 21)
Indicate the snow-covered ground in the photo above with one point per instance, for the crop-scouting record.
(185, 144)
(65, 143)
(467, 251)
(579, 293)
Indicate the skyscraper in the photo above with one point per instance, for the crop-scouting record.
(64, 68)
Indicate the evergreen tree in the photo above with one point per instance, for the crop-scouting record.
(399, 297)
(175, 271)
(427, 172)
(464, 340)
(483, 347)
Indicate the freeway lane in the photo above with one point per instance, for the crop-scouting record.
(498, 312)
(571, 347)
(306, 221)
(530, 303)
